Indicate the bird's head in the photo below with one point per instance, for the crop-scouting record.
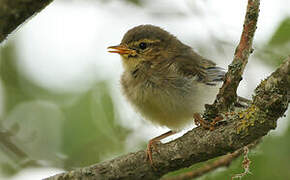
(146, 43)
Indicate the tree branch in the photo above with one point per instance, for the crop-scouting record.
(227, 95)
(15, 12)
(240, 129)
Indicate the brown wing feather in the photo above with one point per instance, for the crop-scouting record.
(192, 64)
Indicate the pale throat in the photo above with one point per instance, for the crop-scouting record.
(130, 64)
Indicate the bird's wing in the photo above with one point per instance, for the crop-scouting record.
(206, 71)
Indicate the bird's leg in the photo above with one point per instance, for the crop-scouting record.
(199, 121)
(152, 143)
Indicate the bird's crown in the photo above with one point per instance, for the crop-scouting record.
(146, 32)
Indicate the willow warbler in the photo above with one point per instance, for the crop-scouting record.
(164, 79)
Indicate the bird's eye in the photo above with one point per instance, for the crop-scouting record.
(142, 45)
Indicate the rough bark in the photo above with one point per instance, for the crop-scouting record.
(15, 12)
(239, 129)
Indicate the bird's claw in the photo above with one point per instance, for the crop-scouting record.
(151, 146)
(199, 121)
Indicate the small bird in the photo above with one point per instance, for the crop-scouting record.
(164, 79)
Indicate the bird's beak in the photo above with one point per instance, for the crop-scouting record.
(120, 49)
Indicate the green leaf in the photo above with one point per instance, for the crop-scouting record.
(278, 47)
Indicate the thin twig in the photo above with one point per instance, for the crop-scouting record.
(5, 140)
(224, 161)
(246, 165)
(9, 147)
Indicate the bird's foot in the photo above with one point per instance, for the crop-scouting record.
(199, 121)
(152, 146)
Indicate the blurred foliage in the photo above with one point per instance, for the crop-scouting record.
(282, 34)
(43, 128)
(136, 2)
(278, 47)
(92, 123)
(10, 77)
